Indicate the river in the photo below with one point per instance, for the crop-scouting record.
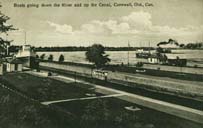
(194, 57)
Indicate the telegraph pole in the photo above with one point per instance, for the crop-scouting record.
(128, 52)
(149, 47)
(25, 37)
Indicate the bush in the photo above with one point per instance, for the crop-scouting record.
(42, 56)
(37, 56)
(50, 58)
(61, 58)
(195, 66)
(139, 64)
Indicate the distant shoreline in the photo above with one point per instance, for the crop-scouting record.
(73, 49)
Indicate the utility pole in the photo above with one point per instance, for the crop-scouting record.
(149, 47)
(128, 52)
(25, 37)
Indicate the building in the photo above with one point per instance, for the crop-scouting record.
(1, 68)
(27, 56)
(176, 60)
(153, 59)
(167, 59)
(14, 65)
(25, 51)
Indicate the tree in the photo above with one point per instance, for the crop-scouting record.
(50, 58)
(61, 58)
(37, 56)
(42, 56)
(4, 28)
(97, 55)
(182, 45)
(139, 64)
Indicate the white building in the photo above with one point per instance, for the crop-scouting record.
(1, 68)
(153, 59)
(26, 55)
(14, 65)
(26, 51)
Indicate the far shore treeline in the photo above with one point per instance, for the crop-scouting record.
(74, 48)
(15, 48)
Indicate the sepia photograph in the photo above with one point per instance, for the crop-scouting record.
(101, 64)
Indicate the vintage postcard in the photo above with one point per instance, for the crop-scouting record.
(101, 64)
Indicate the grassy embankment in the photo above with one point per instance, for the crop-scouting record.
(19, 112)
(177, 97)
(45, 89)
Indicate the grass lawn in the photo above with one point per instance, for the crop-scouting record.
(94, 113)
(18, 112)
(46, 89)
(111, 113)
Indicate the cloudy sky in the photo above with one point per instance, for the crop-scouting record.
(181, 20)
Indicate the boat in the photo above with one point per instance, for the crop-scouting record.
(141, 53)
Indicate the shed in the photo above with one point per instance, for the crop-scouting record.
(176, 60)
(14, 65)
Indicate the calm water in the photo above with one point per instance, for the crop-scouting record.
(117, 57)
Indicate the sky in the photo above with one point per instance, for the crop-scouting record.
(181, 20)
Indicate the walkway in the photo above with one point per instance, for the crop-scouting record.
(79, 99)
(169, 108)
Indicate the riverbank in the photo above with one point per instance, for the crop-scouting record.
(134, 88)
(183, 73)
(179, 87)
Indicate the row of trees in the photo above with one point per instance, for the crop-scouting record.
(192, 45)
(50, 58)
(81, 48)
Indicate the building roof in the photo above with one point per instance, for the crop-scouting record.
(153, 56)
(2, 60)
(174, 56)
(15, 61)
